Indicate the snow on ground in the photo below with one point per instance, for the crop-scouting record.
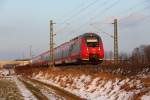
(142, 73)
(24, 91)
(4, 72)
(96, 88)
(146, 97)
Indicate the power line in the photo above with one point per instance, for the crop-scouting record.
(81, 10)
(123, 18)
(102, 12)
(135, 6)
(103, 31)
(107, 8)
(78, 13)
(77, 7)
(112, 5)
(95, 9)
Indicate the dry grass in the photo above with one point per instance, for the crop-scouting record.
(70, 72)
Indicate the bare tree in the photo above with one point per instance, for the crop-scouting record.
(141, 54)
(147, 53)
(124, 57)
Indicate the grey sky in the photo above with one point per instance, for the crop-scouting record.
(26, 22)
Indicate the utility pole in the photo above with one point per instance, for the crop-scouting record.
(30, 51)
(116, 56)
(51, 44)
(31, 55)
(23, 58)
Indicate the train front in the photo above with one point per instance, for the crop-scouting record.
(92, 48)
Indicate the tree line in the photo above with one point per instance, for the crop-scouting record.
(139, 54)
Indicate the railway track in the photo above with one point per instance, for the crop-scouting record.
(43, 91)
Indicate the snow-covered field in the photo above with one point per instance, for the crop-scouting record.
(23, 90)
(4, 72)
(98, 87)
(12, 86)
(18, 86)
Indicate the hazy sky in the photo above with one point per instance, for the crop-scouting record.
(26, 22)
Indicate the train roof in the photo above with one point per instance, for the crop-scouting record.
(90, 34)
(85, 34)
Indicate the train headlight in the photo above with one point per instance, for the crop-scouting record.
(99, 49)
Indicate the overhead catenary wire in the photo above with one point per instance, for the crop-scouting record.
(107, 8)
(123, 19)
(96, 8)
(113, 5)
(99, 29)
(102, 13)
(104, 10)
(101, 5)
(80, 11)
(133, 7)
(89, 13)
(126, 10)
(66, 21)
(69, 29)
(72, 11)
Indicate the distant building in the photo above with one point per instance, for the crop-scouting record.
(13, 63)
(22, 62)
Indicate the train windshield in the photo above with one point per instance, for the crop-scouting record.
(92, 41)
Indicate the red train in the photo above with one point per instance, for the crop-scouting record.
(86, 48)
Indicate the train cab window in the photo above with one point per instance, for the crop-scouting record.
(92, 42)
